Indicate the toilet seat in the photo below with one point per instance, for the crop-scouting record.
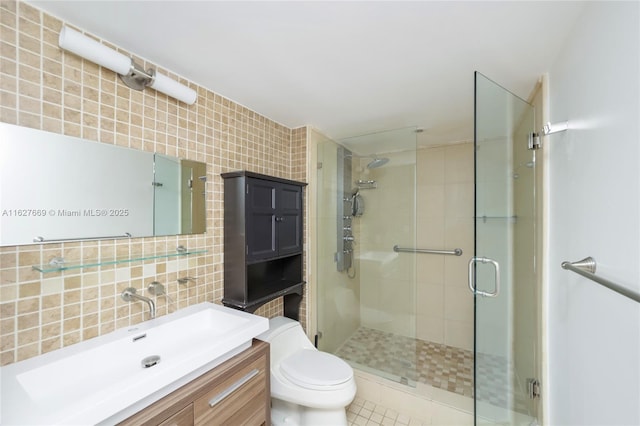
(313, 369)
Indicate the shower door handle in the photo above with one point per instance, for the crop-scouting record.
(472, 276)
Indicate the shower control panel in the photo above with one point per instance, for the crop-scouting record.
(344, 230)
(344, 257)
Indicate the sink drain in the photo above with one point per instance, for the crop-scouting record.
(150, 361)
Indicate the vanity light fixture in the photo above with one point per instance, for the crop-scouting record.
(131, 74)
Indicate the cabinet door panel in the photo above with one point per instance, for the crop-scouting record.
(261, 219)
(289, 198)
(261, 239)
(289, 213)
(290, 234)
(239, 398)
(262, 195)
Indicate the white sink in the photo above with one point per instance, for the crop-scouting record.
(102, 380)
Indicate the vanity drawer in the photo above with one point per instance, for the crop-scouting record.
(237, 398)
(183, 417)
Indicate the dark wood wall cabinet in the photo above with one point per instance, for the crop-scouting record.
(263, 227)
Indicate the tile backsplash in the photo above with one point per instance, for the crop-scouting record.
(45, 88)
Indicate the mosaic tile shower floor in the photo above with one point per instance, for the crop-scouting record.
(408, 360)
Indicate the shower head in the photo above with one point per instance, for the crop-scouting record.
(377, 162)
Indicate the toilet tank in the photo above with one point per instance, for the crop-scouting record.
(285, 337)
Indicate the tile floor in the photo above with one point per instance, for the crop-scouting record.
(365, 413)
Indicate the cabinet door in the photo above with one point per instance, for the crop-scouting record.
(261, 219)
(289, 219)
(239, 397)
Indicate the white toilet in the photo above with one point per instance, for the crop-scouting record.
(308, 387)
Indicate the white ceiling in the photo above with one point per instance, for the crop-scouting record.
(346, 68)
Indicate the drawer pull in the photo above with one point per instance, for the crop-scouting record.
(234, 387)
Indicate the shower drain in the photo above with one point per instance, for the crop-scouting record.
(150, 361)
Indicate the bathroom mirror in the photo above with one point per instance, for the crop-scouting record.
(59, 188)
(179, 190)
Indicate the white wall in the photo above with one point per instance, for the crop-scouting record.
(594, 193)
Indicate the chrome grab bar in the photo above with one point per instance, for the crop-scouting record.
(587, 268)
(454, 252)
(43, 240)
(472, 276)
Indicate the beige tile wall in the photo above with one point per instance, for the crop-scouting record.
(445, 220)
(387, 279)
(299, 172)
(45, 88)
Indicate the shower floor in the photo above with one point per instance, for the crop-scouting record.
(408, 360)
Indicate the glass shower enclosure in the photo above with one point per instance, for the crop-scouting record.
(406, 230)
(366, 205)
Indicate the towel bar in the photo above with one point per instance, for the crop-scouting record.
(587, 268)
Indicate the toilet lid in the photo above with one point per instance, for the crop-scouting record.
(313, 369)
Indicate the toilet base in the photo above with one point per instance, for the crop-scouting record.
(285, 413)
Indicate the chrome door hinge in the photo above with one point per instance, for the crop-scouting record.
(534, 142)
(533, 388)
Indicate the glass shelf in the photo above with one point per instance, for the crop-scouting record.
(58, 264)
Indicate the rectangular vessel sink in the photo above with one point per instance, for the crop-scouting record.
(107, 379)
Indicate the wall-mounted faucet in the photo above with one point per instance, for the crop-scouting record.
(130, 293)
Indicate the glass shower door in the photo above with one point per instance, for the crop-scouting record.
(502, 273)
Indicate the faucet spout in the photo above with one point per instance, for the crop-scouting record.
(130, 293)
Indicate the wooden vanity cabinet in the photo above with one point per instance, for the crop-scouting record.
(234, 393)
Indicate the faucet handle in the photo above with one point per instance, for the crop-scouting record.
(156, 288)
(127, 294)
(185, 280)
